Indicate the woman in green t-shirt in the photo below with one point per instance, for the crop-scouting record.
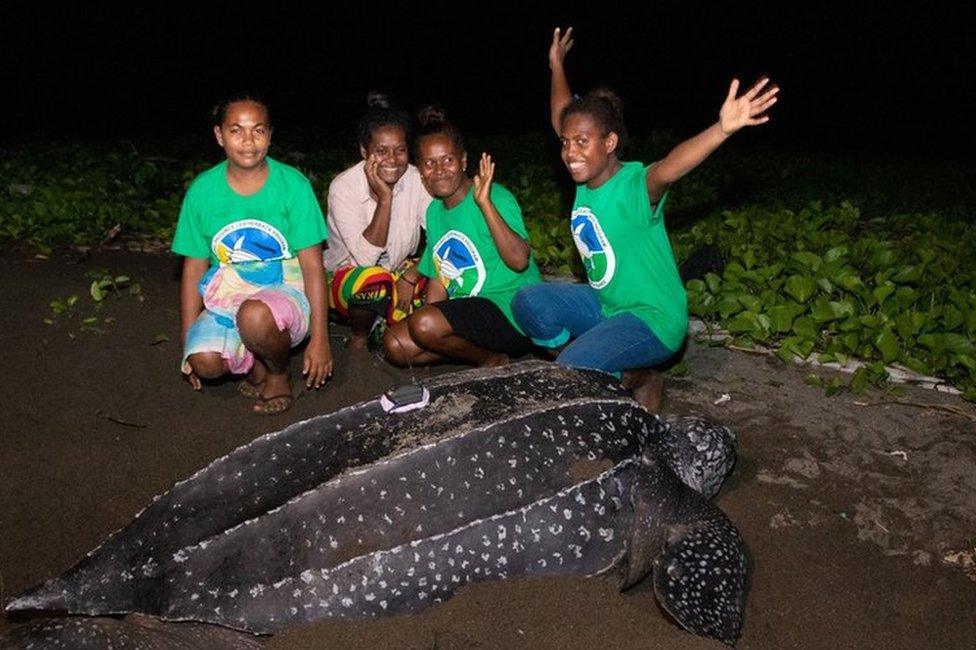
(632, 314)
(477, 249)
(253, 286)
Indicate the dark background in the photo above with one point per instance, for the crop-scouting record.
(855, 76)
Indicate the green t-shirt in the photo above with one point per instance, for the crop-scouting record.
(274, 223)
(461, 251)
(627, 255)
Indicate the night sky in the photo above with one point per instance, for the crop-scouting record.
(865, 77)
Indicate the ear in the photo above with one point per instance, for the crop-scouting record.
(363, 152)
(219, 136)
(611, 142)
(464, 161)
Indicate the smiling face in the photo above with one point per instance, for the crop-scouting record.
(442, 167)
(588, 153)
(389, 145)
(245, 134)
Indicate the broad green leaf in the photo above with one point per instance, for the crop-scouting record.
(747, 321)
(835, 386)
(811, 261)
(695, 286)
(786, 354)
(749, 258)
(952, 318)
(888, 345)
(96, 291)
(850, 341)
(883, 291)
(933, 342)
(806, 328)
(813, 380)
(966, 360)
(829, 310)
(859, 380)
(916, 365)
(959, 344)
(713, 281)
(907, 324)
(800, 288)
(750, 302)
(781, 318)
(728, 306)
(908, 274)
(883, 258)
(849, 280)
(835, 253)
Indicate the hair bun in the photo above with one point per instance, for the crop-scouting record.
(431, 114)
(377, 99)
(612, 98)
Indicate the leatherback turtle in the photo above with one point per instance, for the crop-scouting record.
(528, 470)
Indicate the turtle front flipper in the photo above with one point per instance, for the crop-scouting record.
(696, 555)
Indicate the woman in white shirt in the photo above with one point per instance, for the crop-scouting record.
(375, 216)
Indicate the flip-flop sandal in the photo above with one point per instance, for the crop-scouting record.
(248, 390)
(269, 405)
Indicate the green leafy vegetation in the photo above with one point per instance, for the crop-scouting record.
(892, 289)
(863, 259)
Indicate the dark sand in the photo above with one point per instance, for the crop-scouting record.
(853, 545)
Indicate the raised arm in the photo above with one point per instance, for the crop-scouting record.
(735, 113)
(513, 249)
(559, 94)
(378, 229)
(345, 218)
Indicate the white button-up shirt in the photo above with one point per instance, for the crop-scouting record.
(351, 209)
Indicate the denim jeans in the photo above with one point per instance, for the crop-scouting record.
(553, 313)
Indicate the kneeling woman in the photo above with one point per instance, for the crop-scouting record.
(477, 248)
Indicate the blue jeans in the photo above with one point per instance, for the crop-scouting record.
(553, 313)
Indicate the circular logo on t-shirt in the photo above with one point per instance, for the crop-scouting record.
(249, 240)
(459, 264)
(593, 247)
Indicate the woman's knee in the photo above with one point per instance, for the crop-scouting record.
(207, 365)
(428, 326)
(532, 309)
(397, 346)
(255, 320)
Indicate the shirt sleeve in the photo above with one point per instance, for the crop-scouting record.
(189, 240)
(345, 219)
(656, 210)
(307, 222)
(504, 201)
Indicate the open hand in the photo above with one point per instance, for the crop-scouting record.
(317, 363)
(561, 45)
(743, 111)
(376, 184)
(482, 181)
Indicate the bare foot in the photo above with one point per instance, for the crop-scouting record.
(495, 359)
(275, 395)
(253, 383)
(647, 386)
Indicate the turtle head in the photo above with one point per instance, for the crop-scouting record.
(699, 452)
